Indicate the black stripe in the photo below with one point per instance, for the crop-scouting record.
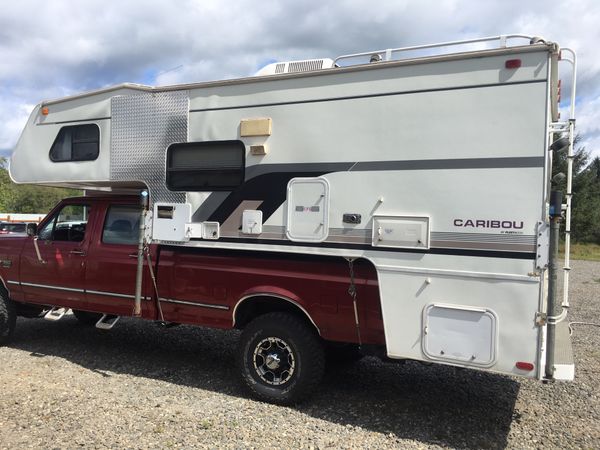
(433, 251)
(355, 97)
(454, 163)
(270, 188)
(74, 121)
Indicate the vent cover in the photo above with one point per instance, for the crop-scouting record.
(308, 65)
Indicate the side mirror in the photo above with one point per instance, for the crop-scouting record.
(32, 229)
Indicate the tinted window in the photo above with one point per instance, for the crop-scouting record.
(206, 166)
(68, 224)
(76, 143)
(121, 225)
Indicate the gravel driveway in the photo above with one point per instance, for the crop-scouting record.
(63, 385)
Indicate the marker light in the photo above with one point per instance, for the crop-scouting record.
(524, 366)
(45, 111)
(512, 63)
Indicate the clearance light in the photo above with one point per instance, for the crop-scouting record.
(524, 366)
(45, 111)
(512, 63)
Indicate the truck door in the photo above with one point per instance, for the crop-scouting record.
(111, 270)
(57, 275)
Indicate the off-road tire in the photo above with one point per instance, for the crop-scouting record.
(305, 346)
(8, 317)
(87, 318)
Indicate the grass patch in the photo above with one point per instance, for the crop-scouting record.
(587, 252)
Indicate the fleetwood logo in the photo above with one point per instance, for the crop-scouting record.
(480, 223)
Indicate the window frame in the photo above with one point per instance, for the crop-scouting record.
(208, 144)
(54, 218)
(50, 155)
(110, 207)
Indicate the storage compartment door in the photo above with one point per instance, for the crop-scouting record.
(458, 334)
(307, 210)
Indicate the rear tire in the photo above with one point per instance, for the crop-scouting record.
(87, 318)
(8, 317)
(281, 358)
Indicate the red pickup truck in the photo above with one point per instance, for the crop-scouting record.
(294, 309)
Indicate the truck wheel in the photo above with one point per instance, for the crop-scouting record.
(281, 358)
(87, 318)
(8, 317)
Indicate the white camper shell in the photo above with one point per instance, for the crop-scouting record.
(435, 168)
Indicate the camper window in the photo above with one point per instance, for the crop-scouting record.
(76, 143)
(206, 166)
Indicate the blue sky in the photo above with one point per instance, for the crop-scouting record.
(54, 48)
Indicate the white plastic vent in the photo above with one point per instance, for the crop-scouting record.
(296, 66)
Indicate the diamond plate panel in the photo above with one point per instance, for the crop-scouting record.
(143, 126)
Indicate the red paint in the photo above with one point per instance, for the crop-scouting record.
(319, 285)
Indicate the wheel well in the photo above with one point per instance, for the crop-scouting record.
(250, 308)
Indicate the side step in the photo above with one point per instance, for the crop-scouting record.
(564, 363)
(107, 321)
(56, 313)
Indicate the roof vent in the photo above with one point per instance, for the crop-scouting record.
(308, 65)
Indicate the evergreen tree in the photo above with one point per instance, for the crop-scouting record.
(27, 198)
(585, 208)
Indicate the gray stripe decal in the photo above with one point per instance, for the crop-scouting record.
(435, 235)
(202, 305)
(261, 169)
(484, 237)
(460, 163)
(484, 246)
(417, 164)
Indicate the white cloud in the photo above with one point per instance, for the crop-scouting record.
(53, 48)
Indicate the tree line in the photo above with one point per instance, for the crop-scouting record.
(585, 207)
(585, 213)
(26, 198)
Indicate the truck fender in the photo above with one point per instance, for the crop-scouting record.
(274, 293)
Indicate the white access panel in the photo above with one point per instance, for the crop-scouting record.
(401, 232)
(170, 221)
(459, 334)
(252, 221)
(307, 209)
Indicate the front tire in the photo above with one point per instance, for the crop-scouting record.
(8, 317)
(281, 358)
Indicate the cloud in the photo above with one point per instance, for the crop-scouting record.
(50, 49)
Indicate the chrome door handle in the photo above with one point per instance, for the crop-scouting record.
(77, 252)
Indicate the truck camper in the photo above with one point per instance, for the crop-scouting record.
(393, 202)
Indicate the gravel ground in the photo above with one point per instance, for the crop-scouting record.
(63, 385)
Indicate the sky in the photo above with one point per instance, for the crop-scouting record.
(50, 49)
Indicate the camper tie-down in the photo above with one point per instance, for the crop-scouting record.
(373, 204)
